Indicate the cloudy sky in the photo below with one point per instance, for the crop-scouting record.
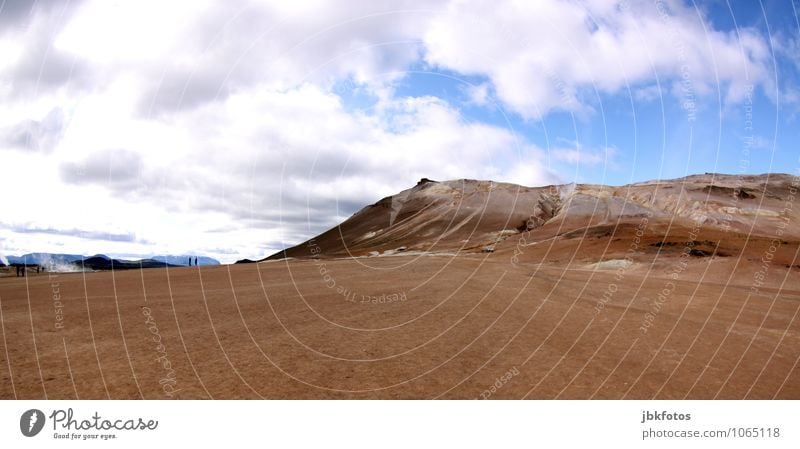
(231, 129)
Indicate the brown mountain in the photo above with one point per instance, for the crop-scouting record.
(469, 216)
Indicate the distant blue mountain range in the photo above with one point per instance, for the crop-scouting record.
(50, 258)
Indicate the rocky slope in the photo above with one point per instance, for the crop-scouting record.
(469, 216)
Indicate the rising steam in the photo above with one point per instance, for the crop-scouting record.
(59, 266)
(3, 257)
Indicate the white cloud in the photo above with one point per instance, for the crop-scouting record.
(542, 56)
(587, 157)
(270, 166)
(192, 52)
(787, 47)
(115, 32)
(213, 127)
(648, 93)
(479, 94)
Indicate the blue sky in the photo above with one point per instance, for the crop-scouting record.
(657, 138)
(233, 129)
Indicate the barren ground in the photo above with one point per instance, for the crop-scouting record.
(456, 327)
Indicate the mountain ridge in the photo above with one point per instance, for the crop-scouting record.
(475, 216)
(58, 259)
